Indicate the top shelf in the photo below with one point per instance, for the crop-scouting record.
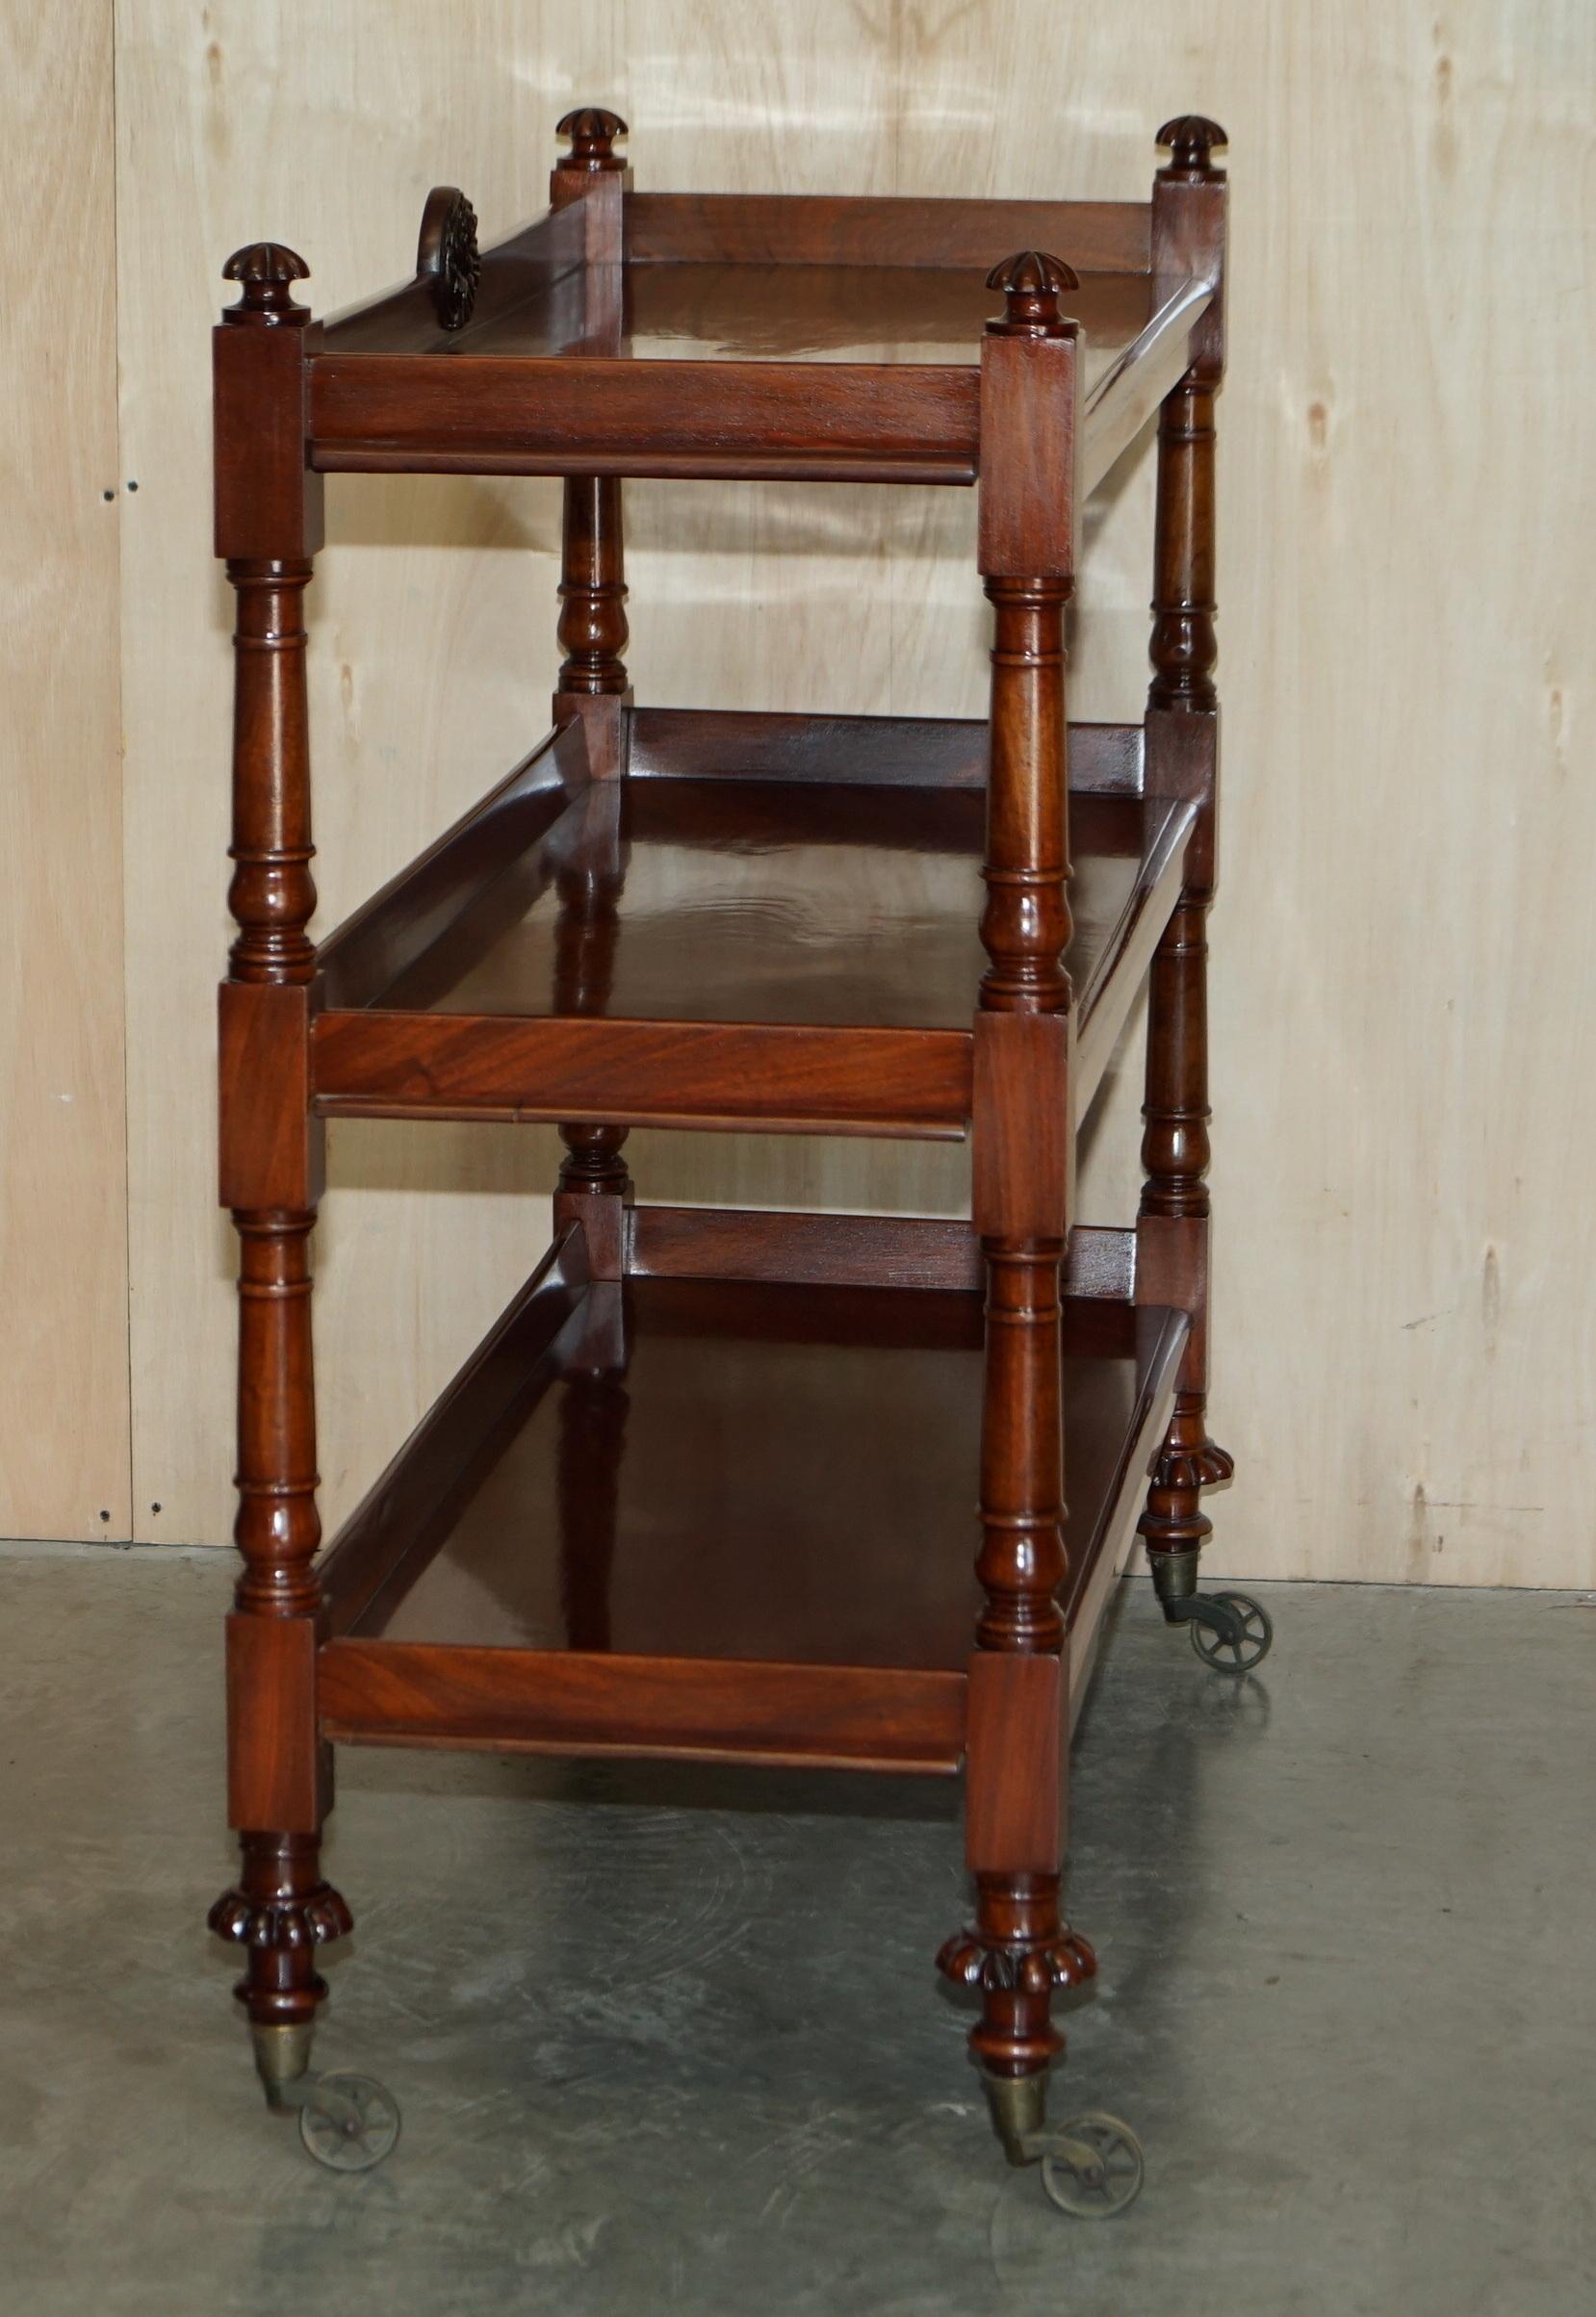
(731, 312)
(773, 336)
(698, 289)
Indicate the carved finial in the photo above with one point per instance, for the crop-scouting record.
(1031, 283)
(266, 270)
(1191, 139)
(447, 252)
(592, 131)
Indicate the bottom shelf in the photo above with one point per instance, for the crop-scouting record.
(699, 1516)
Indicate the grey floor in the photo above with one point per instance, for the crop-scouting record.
(670, 2040)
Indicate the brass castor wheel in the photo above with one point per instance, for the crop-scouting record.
(1092, 2166)
(1230, 1631)
(349, 2122)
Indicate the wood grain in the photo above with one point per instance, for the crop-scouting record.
(874, 422)
(1107, 236)
(64, 1380)
(510, 1701)
(789, 1077)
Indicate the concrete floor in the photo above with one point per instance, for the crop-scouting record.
(670, 2039)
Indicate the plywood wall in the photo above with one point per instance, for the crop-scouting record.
(64, 1364)
(1404, 960)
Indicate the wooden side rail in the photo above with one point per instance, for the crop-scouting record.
(755, 1078)
(537, 265)
(884, 423)
(912, 751)
(1130, 392)
(605, 415)
(1121, 968)
(850, 1251)
(554, 1702)
(1090, 1585)
(391, 930)
(828, 230)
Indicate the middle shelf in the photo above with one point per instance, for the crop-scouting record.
(766, 919)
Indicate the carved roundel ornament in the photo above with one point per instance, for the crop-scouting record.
(447, 254)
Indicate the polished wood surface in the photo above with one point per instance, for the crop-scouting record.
(749, 1459)
(748, 1432)
(753, 901)
(499, 1700)
(818, 1250)
(873, 752)
(749, 274)
(859, 1250)
(735, 970)
(753, 1077)
(885, 234)
(487, 414)
(861, 313)
(751, 312)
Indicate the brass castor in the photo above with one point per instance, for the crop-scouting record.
(1091, 2167)
(1018, 2106)
(282, 2055)
(1230, 1631)
(349, 2122)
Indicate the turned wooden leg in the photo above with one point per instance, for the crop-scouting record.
(1174, 1154)
(592, 588)
(1016, 1954)
(1175, 1144)
(280, 1910)
(1017, 1951)
(592, 632)
(595, 1188)
(279, 1785)
(1174, 1208)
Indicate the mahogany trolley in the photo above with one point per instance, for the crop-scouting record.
(741, 1486)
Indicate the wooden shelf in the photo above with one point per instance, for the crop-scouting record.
(781, 336)
(785, 880)
(732, 310)
(640, 1491)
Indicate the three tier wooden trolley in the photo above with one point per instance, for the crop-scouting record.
(746, 1486)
